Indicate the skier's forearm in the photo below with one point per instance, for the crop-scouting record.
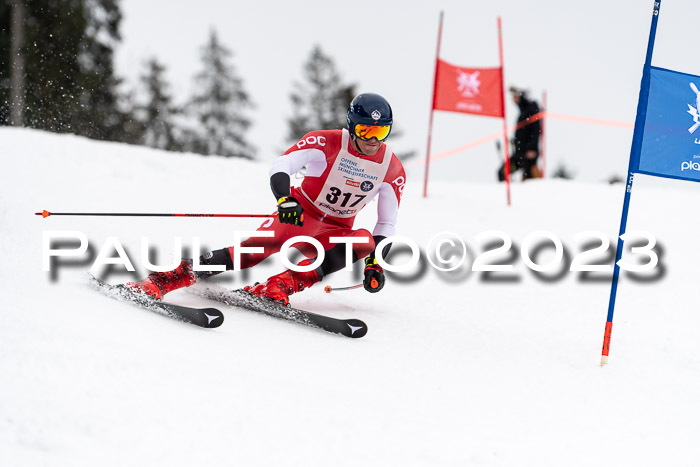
(377, 240)
(279, 183)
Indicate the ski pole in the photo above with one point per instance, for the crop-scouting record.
(330, 289)
(46, 214)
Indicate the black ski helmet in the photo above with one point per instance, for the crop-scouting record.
(369, 109)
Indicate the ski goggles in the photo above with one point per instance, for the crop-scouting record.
(367, 132)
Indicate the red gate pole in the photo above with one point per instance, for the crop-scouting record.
(506, 163)
(432, 109)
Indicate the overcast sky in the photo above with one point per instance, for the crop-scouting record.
(587, 56)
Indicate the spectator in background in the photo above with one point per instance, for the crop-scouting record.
(526, 140)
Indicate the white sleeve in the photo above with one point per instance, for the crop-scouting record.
(387, 211)
(294, 161)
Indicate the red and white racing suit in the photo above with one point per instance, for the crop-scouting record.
(339, 182)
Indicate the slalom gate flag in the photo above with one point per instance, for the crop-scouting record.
(469, 90)
(670, 145)
(665, 143)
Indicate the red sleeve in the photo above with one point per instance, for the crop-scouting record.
(326, 141)
(396, 177)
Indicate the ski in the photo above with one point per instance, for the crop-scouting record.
(238, 298)
(203, 317)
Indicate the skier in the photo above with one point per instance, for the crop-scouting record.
(345, 169)
(526, 139)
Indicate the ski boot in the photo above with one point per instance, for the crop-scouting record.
(281, 286)
(158, 284)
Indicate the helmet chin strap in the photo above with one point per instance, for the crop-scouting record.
(353, 137)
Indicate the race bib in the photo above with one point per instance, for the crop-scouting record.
(352, 182)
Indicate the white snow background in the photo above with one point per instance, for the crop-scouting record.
(455, 369)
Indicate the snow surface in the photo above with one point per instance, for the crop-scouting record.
(456, 369)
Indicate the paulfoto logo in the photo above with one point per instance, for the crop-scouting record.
(494, 252)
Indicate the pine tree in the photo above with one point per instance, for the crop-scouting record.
(69, 83)
(6, 43)
(53, 37)
(158, 113)
(17, 63)
(104, 114)
(321, 101)
(218, 106)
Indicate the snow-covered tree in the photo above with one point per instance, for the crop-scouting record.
(219, 105)
(158, 113)
(56, 68)
(320, 102)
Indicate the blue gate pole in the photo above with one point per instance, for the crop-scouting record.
(633, 164)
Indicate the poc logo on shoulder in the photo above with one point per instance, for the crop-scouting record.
(400, 182)
(311, 141)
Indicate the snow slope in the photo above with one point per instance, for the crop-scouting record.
(456, 369)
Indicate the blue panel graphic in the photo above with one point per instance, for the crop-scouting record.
(671, 143)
